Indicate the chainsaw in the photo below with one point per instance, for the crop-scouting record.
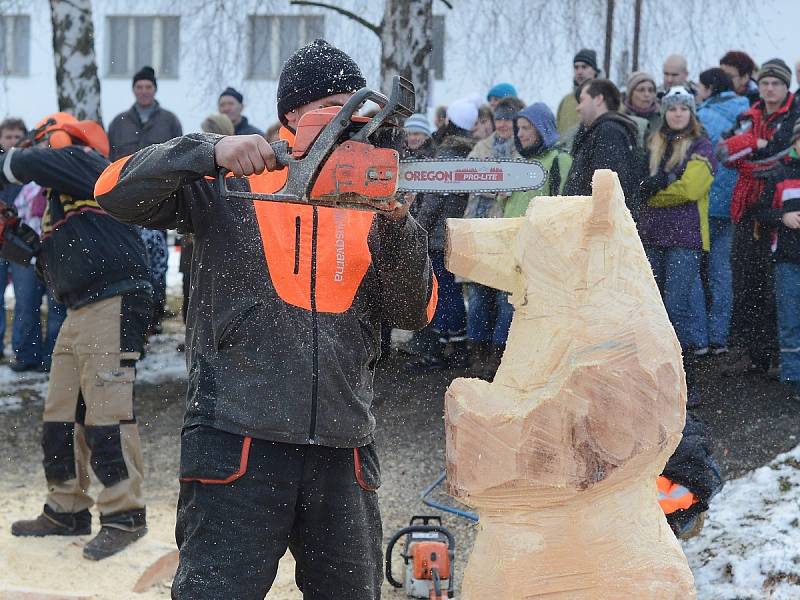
(341, 159)
(19, 243)
(428, 554)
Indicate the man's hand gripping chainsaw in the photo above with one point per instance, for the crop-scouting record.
(340, 159)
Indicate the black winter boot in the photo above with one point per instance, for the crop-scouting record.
(456, 354)
(111, 540)
(53, 523)
(493, 361)
(479, 352)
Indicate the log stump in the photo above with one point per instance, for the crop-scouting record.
(559, 454)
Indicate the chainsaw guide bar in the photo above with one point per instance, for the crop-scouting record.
(470, 176)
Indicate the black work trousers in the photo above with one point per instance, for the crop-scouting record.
(754, 323)
(243, 501)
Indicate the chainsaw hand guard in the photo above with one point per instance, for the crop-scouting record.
(341, 167)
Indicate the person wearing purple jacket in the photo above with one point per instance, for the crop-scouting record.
(673, 223)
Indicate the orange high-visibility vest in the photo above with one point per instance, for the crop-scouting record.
(672, 496)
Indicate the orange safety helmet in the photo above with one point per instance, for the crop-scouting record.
(62, 130)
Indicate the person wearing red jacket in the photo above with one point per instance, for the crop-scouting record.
(760, 138)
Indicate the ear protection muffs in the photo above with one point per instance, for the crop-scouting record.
(52, 127)
(62, 130)
(58, 138)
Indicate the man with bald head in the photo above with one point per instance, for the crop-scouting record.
(676, 72)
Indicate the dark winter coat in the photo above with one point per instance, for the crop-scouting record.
(86, 255)
(435, 209)
(127, 134)
(427, 150)
(610, 142)
(692, 465)
(751, 92)
(283, 326)
(243, 127)
(781, 195)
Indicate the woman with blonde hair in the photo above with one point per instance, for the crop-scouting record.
(673, 224)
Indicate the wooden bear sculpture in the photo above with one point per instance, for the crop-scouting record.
(559, 455)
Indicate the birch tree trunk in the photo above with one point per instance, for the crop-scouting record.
(77, 81)
(406, 45)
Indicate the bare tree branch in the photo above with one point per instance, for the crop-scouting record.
(447, 4)
(376, 29)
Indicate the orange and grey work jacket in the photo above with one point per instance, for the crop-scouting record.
(286, 300)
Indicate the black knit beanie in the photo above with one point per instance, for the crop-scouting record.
(585, 55)
(313, 72)
(147, 73)
(233, 93)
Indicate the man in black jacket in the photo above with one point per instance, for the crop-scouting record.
(606, 140)
(282, 338)
(98, 268)
(231, 104)
(143, 124)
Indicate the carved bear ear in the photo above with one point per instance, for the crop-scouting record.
(607, 195)
(482, 250)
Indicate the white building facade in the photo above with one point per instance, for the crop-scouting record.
(197, 50)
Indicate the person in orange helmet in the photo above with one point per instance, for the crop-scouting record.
(97, 266)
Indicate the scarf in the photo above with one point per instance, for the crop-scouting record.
(502, 148)
(645, 114)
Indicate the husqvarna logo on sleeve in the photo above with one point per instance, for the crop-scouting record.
(339, 221)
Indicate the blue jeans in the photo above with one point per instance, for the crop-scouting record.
(677, 273)
(26, 335)
(720, 281)
(489, 314)
(451, 316)
(787, 300)
(4, 270)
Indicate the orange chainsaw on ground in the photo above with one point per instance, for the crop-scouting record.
(341, 159)
(428, 554)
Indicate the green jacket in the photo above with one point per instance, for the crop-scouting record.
(518, 203)
(567, 115)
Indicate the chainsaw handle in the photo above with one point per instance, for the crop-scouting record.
(283, 159)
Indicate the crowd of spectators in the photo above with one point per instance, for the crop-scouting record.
(711, 174)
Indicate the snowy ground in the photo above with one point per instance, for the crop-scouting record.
(749, 548)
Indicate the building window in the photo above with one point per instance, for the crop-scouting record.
(437, 51)
(15, 43)
(133, 42)
(273, 39)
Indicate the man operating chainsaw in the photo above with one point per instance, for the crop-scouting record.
(282, 338)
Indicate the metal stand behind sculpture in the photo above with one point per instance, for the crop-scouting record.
(559, 455)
